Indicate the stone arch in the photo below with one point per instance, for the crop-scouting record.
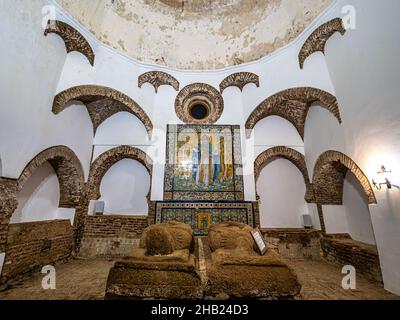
(293, 105)
(329, 174)
(240, 80)
(316, 42)
(73, 39)
(293, 156)
(101, 103)
(106, 160)
(158, 79)
(68, 169)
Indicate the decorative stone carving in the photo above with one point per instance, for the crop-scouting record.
(293, 105)
(157, 79)
(240, 80)
(199, 93)
(293, 156)
(74, 40)
(101, 103)
(317, 40)
(106, 160)
(329, 174)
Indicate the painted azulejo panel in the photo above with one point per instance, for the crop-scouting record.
(200, 215)
(203, 163)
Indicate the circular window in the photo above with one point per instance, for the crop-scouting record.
(199, 103)
(199, 111)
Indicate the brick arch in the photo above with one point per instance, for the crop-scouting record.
(101, 103)
(329, 173)
(293, 156)
(106, 160)
(68, 169)
(293, 105)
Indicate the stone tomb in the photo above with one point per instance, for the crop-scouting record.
(164, 267)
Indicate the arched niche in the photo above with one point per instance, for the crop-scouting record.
(279, 181)
(328, 178)
(124, 188)
(295, 157)
(39, 197)
(107, 159)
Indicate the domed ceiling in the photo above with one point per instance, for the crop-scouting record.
(196, 34)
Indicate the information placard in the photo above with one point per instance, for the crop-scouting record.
(258, 238)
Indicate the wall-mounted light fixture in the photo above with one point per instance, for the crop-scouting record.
(385, 173)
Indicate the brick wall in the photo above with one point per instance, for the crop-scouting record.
(342, 250)
(295, 243)
(111, 236)
(32, 245)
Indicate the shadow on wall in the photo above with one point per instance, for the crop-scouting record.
(357, 211)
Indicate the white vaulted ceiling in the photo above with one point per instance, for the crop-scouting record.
(195, 34)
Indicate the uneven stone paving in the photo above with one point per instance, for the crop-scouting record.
(86, 280)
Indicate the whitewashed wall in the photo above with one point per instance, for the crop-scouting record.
(31, 66)
(124, 188)
(278, 181)
(365, 72)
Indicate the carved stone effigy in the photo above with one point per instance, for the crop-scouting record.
(163, 267)
(237, 270)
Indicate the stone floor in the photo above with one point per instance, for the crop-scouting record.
(86, 280)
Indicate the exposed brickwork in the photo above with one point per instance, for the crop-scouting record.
(289, 154)
(295, 243)
(70, 175)
(106, 160)
(32, 245)
(157, 79)
(8, 204)
(321, 218)
(79, 223)
(111, 236)
(73, 39)
(240, 80)
(293, 105)
(317, 40)
(102, 103)
(345, 251)
(329, 173)
(68, 170)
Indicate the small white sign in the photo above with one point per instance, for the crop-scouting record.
(2, 257)
(257, 236)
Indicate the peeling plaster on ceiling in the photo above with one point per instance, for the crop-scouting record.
(196, 34)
